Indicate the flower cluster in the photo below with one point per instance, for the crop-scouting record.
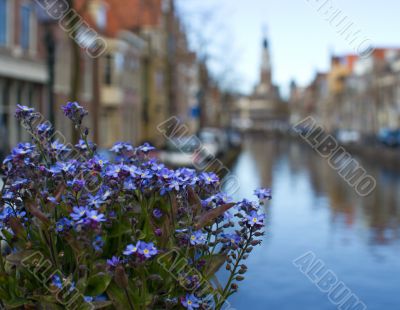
(74, 112)
(105, 225)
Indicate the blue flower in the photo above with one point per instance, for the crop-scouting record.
(95, 216)
(232, 238)
(114, 261)
(74, 112)
(131, 249)
(57, 282)
(120, 147)
(78, 213)
(82, 146)
(63, 224)
(8, 195)
(157, 166)
(96, 163)
(19, 184)
(145, 174)
(174, 184)
(197, 238)
(263, 193)
(88, 299)
(24, 113)
(147, 249)
(44, 129)
(59, 147)
(116, 171)
(228, 215)
(133, 170)
(66, 167)
(255, 219)
(4, 215)
(129, 184)
(246, 205)
(96, 200)
(53, 200)
(98, 243)
(157, 213)
(165, 174)
(190, 302)
(76, 184)
(209, 178)
(145, 148)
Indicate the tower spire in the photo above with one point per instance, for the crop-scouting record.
(265, 61)
(265, 35)
(265, 83)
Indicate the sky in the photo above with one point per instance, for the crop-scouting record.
(301, 39)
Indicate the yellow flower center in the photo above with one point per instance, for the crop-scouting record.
(189, 302)
(193, 237)
(100, 162)
(146, 251)
(254, 219)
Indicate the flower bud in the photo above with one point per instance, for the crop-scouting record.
(121, 279)
(249, 249)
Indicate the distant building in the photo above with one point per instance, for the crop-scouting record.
(264, 109)
(23, 73)
(357, 93)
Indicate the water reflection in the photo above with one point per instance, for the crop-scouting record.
(314, 209)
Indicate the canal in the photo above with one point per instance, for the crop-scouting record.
(313, 209)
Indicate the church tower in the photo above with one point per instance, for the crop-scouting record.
(265, 87)
(265, 77)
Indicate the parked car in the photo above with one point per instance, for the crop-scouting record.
(389, 137)
(209, 142)
(214, 140)
(234, 138)
(347, 136)
(180, 152)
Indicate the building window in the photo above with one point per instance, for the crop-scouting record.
(3, 22)
(101, 17)
(108, 69)
(25, 27)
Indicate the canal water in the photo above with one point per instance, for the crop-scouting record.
(313, 209)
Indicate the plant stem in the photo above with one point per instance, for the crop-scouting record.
(129, 299)
(233, 273)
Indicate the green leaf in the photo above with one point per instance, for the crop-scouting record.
(208, 217)
(8, 236)
(18, 257)
(101, 304)
(118, 297)
(119, 229)
(194, 201)
(16, 303)
(97, 284)
(214, 263)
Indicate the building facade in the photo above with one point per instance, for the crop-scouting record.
(263, 109)
(23, 74)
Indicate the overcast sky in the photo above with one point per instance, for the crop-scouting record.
(300, 37)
